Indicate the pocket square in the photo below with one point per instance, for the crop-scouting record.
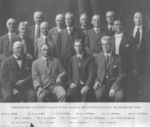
(114, 66)
(127, 45)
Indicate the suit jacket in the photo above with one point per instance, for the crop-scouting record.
(11, 73)
(29, 44)
(93, 42)
(128, 53)
(86, 72)
(108, 32)
(53, 33)
(67, 44)
(112, 72)
(43, 76)
(31, 32)
(37, 46)
(5, 47)
(143, 49)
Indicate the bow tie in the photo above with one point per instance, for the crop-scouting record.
(19, 58)
(118, 36)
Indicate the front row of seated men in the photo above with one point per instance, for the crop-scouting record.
(90, 79)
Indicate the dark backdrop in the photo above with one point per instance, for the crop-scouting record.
(23, 10)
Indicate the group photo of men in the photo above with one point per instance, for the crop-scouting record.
(91, 62)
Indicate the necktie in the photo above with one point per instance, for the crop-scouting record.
(137, 36)
(24, 44)
(37, 32)
(69, 32)
(47, 63)
(79, 60)
(45, 40)
(107, 60)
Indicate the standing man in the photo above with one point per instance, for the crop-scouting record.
(47, 74)
(16, 77)
(34, 31)
(27, 42)
(124, 45)
(81, 75)
(55, 32)
(93, 36)
(68, 36)
(140, 35)
(110, 17)
(5, 41)
(44, 39)
(84, 22)
(109, 82)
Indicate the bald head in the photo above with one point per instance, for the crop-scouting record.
(138, 19)
(44, 28)
(110, 17)
(59, 21)
(11, 25)
(38, 17)
(18, 48)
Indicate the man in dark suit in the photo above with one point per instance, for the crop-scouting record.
(124, 45)
(109, 82)
(16, 77)
(34, 31)
(5, 41)
(55, 32)
(84, 22)
(93, 36)
(27, 42)
(47, 74)
(81, 75)
(44, 28)
(140, 34)
(68, 37)
(110, 17)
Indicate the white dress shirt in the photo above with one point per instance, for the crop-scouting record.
(140, 30)
(118, 38)
(70, 30)
(97, 30)
(59, 30)
(18, 61)
(36, 29)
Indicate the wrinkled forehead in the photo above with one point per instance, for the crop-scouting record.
(59, 17)
(96, 17)
(38, 14)
(110, 13)
(138, 14)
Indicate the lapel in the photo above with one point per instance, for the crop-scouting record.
(83, 60)
(76, 63)
(14, 63)
(122, 42)
(51, 63)
(7, 44)
(102, 59)
(111, 59)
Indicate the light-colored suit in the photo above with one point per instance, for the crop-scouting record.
(45, 77)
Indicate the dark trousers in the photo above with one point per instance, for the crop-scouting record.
(74, 94)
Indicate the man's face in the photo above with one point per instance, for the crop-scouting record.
(23, 30)
(96, 21)
(78, 47)
(18, 49)
(84, 21)
(106, 45)
(110, 18)
(11, 26)
(118, 26)
(69, 20)
(44, 29)
(38, 19)
(138, 19)
(45, 51)
(60, 22)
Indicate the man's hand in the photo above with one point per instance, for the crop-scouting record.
(84, 89)
(39, 91)
(72, 85)
(112, 93)
(97, 85)
(58, 81)
(20, 83)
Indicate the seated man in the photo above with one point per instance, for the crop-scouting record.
(81, 75)
(15, 77)
(108, 85)
(47, 73)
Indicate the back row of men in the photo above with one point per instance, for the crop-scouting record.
(107, 60)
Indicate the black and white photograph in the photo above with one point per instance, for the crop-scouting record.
(73, 63)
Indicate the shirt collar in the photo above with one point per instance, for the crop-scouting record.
(140, 27)
(44, 58)
(15, 56)
(11, 34)
(80, 55)
(119, 35)
(70, 28)
(109, 54)
(110, 26)
(59, 29)
(96, 28)
(43, 36)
